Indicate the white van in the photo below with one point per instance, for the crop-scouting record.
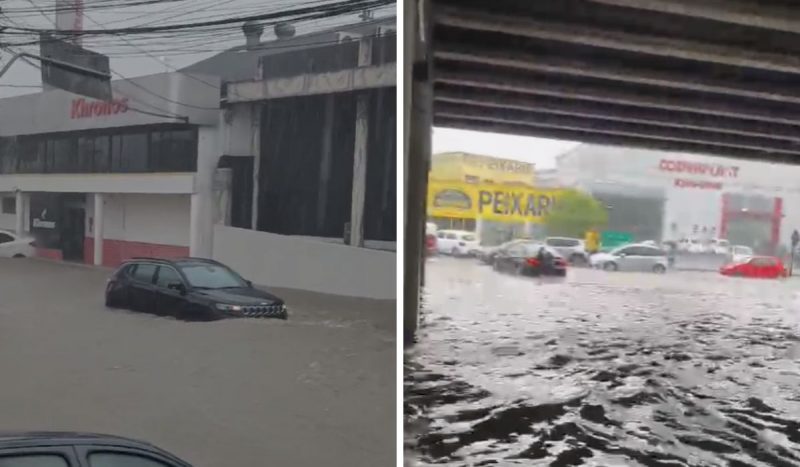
(457, 242)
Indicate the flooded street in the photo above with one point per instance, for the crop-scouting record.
(604, 369)
(225, 393)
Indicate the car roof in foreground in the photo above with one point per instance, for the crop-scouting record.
(58, 438)
(24, 439)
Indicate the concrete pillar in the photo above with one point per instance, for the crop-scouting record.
(360, 153)
(255, 145)
(418, 144)
(201, 222)
(479, 227)
(325, 165)
(20, 210)
(99, 210)
(196, 227)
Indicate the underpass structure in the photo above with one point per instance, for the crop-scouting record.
(714, 78)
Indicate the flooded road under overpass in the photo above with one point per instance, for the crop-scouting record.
(686, 368)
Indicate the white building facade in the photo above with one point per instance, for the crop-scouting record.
(698, 196)
(101, 182)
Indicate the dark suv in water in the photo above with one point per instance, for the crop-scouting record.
(191, 289)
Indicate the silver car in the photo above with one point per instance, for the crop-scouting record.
(572, 249)
(636, 257)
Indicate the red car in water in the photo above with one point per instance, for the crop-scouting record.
(430, 239)
(766, 267)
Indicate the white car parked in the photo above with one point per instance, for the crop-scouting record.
(740, 253)
(457, 242)
(12, 246)
(636, 257)
(719, 246)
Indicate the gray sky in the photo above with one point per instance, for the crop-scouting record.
(133, 56)
(539, 151)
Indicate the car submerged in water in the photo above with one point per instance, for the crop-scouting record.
(764, 267)
(191, 289)
(530, 259)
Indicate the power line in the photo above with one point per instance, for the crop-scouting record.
(338, 8)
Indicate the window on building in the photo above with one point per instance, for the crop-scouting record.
(170, 150)
(134, 152)
(9, 205)
(101, 149)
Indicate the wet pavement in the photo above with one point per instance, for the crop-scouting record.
(316, 390)
(604, 369)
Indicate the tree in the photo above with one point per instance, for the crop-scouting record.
(574, 213)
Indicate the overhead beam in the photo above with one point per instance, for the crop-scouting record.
(759, 15)
(615, 72)
(487, 21)
(578, 136)
(614, 95)
(596, 126)
(613, 112)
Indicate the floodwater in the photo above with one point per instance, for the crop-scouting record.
(604, 369)
(318, 389)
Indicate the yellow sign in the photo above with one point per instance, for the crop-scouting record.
(501, 203)
(471, 168)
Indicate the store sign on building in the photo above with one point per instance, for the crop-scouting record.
(43, 222)
(699, 168)
(502, 203)
(702, 184)
(87, 108)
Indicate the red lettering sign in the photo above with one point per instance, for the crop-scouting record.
(703, 185)
(82, 108)
(699, 168)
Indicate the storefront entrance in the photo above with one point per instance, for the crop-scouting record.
(58, 223)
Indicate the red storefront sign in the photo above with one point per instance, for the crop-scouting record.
(84, 108)
(699, 168)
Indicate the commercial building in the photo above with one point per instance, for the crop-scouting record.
(264, 149)
(103, 181)
(668, 196)
(492, 196)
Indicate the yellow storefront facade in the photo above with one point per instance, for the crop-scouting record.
(496, 198)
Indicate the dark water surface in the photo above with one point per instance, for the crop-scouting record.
(604, 369)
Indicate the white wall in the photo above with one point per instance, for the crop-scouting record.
(159, 219)
(299, 263)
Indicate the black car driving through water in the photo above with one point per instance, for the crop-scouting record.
(530, 259)
(191, 289)
(64, 449)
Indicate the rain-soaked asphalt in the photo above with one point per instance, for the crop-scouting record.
(604, 369)
(316, 390)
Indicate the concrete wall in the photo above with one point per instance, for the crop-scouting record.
(298, 263)
(158, 219)
(139, 225)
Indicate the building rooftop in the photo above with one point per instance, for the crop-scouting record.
(241, 63)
